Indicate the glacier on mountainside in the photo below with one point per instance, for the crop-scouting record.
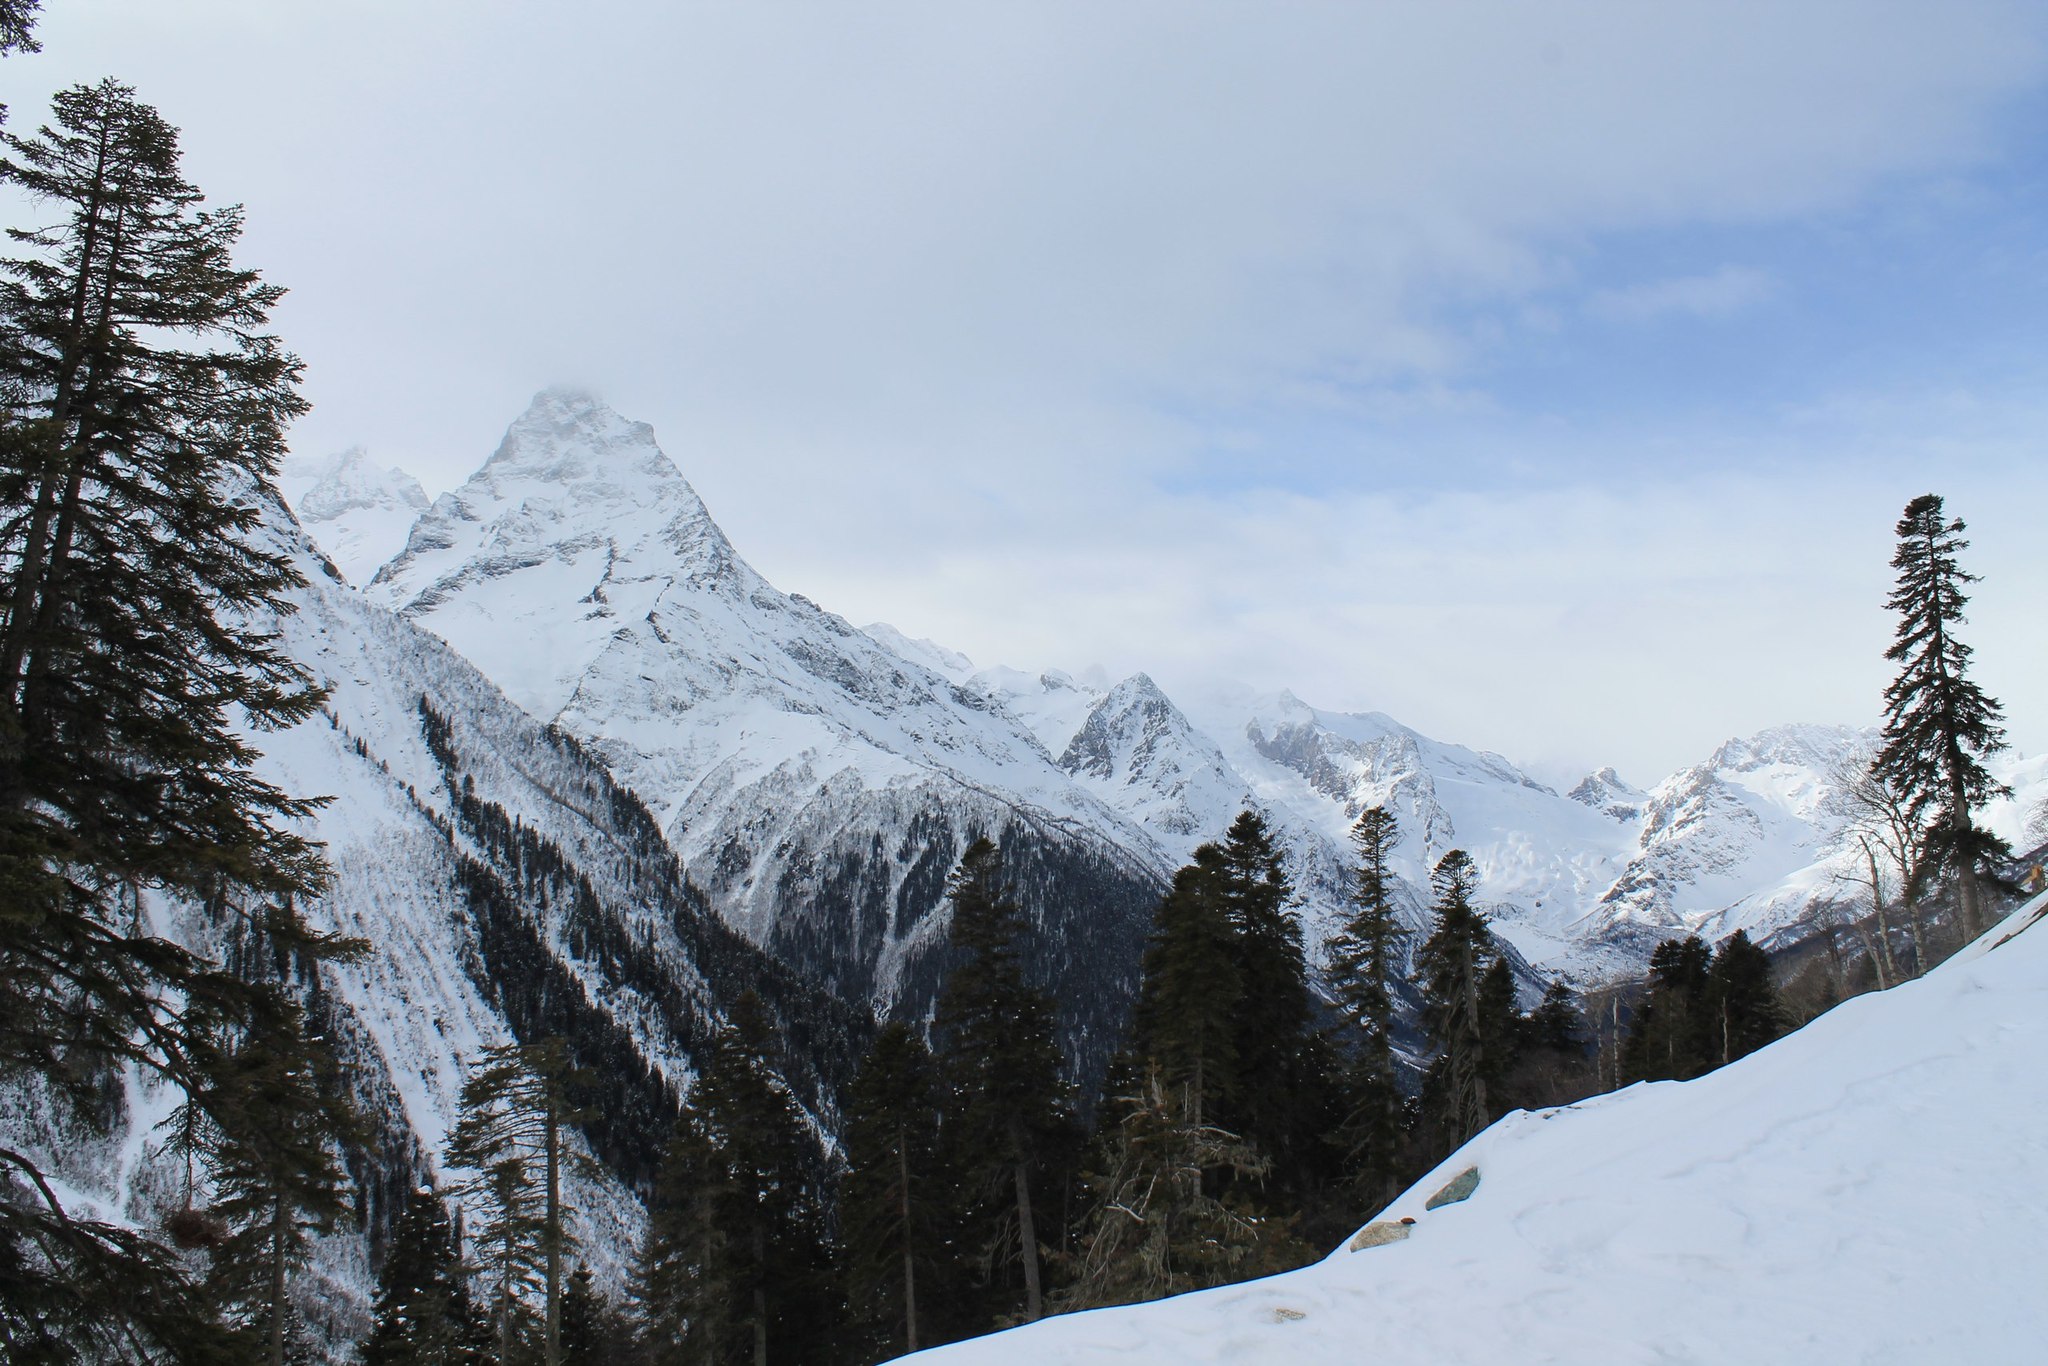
(1869, 1189)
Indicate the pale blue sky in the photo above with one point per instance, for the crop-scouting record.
(1548, 376)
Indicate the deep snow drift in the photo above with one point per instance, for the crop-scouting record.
(1869, 1189)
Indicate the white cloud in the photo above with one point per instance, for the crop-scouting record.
(952, 230)
(1720, 294)
(920, 294)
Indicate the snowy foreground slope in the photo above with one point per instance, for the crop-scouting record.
(1870, 1189)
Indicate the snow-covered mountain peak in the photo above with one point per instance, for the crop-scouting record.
(570, 440)
(1607, 792)
(819, 779)
(575, 527)
(1724, 835)
(1805, 745)
(1152, 762)
(355, 509)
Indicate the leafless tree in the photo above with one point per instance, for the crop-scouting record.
(1887, 866)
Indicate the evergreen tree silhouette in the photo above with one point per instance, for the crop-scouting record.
(1938, 724)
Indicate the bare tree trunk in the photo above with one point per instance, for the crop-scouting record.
(551, 1341)
(760, 1296)
(1918, 922)
(1887, 969)
(280, 1237)
(909, 1263)
(1027, 1241)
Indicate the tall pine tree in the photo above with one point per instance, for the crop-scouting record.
(275, 1167)
(142, 414)
(737, 1266)
(1743, 1011)
(1453, 963)
(894, 1201)
(422, 1309)
(1365, 963)
(683, 1290)
(1671, 1036)
(518, 1106)
(1938, 724)
(1285, 1072)
(1006, 1106)
(1191, 991)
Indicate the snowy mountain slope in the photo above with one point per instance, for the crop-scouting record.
(1789, 907)
(1755, 812)
(1544, 859)
(356, 511)
(815, 776)
(509, 890)
(1606, 791)
(819, 784)
(1586, 883)
(1868, 1189)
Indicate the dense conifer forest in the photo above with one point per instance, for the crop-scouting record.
(830, 1188)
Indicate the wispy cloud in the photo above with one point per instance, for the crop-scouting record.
(1718, 294)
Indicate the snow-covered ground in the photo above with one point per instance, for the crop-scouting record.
(1870, 1189)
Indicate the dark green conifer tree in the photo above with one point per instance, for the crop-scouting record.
(743, 1210)
(1006, 1105)
(1365, 963)
(142, 413)
(684, 1293)
(1669, 1036)
(895, 1200)
(422, 1310)
(18, 29)
(1453, 963)
(513, 1141)
(275, 1168)
(594, 1331)
(1742, 1008)
(1554, 1066)
(1192, 991)
(1938, 724)
(1285, 1101)
(1555, 1025)
(1502, 1027)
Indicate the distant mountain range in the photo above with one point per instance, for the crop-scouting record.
(812, 775)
